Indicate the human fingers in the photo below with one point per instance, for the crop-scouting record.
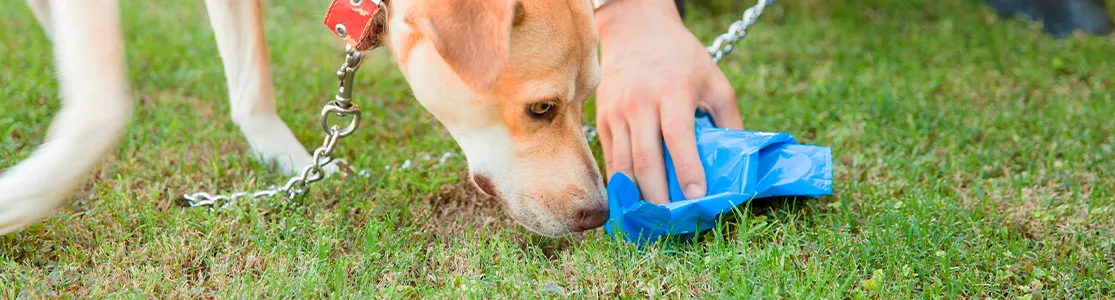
(719, 99)
(617, 153)
(681, 141)
(646, 154)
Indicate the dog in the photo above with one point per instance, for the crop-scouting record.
(507, 79)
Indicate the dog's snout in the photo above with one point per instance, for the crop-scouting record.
(590, 218)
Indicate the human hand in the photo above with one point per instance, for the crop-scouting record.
(655, 74)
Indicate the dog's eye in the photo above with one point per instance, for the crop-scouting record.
(540, 109)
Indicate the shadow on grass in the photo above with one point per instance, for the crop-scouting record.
(733, 224)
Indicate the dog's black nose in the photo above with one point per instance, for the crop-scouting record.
(590, 218)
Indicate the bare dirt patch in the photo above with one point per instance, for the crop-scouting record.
(1046, 208)
(461, 206)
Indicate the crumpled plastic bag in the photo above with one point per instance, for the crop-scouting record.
(740, 165)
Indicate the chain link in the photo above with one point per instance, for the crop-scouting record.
(725, 43)
(342, 108)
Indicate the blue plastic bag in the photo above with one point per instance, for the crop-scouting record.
(740, 165)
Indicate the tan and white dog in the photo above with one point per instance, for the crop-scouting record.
(507, 78)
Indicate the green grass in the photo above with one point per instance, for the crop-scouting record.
(973, 159)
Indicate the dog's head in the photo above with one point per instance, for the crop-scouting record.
(508, 79)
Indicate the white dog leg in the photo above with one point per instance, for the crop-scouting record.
(41, 10)
(96, 107)
(238, 26)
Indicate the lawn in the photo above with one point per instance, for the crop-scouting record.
(972, 159)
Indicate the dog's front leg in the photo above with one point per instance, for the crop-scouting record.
(96, 107)
(238, 26)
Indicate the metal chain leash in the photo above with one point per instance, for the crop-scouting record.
(725, 43)
(341, 107)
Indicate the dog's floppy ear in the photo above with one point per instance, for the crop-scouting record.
(473, 36)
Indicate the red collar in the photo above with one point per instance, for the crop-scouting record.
(359, 22)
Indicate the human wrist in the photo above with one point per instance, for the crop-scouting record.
(616, 16)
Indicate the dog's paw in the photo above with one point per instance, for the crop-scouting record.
(288, 164)
(337, 167)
